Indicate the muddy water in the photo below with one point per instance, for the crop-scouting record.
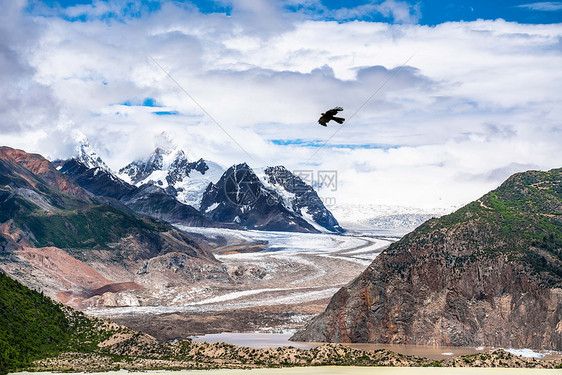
(336, 370)
(274, 340)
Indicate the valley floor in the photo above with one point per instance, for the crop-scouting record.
(284, 280)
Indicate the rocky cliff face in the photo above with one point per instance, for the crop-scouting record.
(303, 198)
(488, 274)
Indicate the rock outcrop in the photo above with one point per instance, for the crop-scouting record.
(488, 274)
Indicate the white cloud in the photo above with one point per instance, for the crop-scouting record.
(25, 103)
(547, 6)
(478, 99)
(395, 10)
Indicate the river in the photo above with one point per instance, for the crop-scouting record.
(273, 340)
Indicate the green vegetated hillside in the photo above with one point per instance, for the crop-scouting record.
(521, 219)
(489, 274)
(89, 227)
(31, 325)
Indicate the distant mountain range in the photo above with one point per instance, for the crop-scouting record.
(489, 274)
(148, 199)
(167, 185)
(386, 220)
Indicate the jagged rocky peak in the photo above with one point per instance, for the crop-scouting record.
(241, 197)
(181, 168)
(238, 186)
(139, 170)
(86, 154)
(301, 198)
(174, 164)
(170, 168)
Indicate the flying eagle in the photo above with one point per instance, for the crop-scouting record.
(330, 115)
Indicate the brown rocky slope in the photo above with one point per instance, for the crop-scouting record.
(488, 274)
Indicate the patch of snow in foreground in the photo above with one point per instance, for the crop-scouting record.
(524, 353)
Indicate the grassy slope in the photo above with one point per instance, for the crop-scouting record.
(31, 325)
(522, 219)
(89, 227)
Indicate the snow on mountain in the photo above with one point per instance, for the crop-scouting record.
(171, 170)
(299, 197)
(384, 219)
(268, 199)
(240, 196)
(86, 154)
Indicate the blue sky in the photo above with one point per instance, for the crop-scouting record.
(435, 116)
(425, 12)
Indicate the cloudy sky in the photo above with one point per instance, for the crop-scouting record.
(443, 99)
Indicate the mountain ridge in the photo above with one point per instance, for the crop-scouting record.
(147, 199)
(170, 170)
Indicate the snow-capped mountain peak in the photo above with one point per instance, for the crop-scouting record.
(88, 156)
(274, 199)
(172, 170)
(300, 198)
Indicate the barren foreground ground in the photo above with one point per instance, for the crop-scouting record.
(352, 370)
(277, 281)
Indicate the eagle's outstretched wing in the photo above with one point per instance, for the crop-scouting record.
(333, 111)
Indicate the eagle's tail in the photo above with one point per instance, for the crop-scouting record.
(339, 120)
